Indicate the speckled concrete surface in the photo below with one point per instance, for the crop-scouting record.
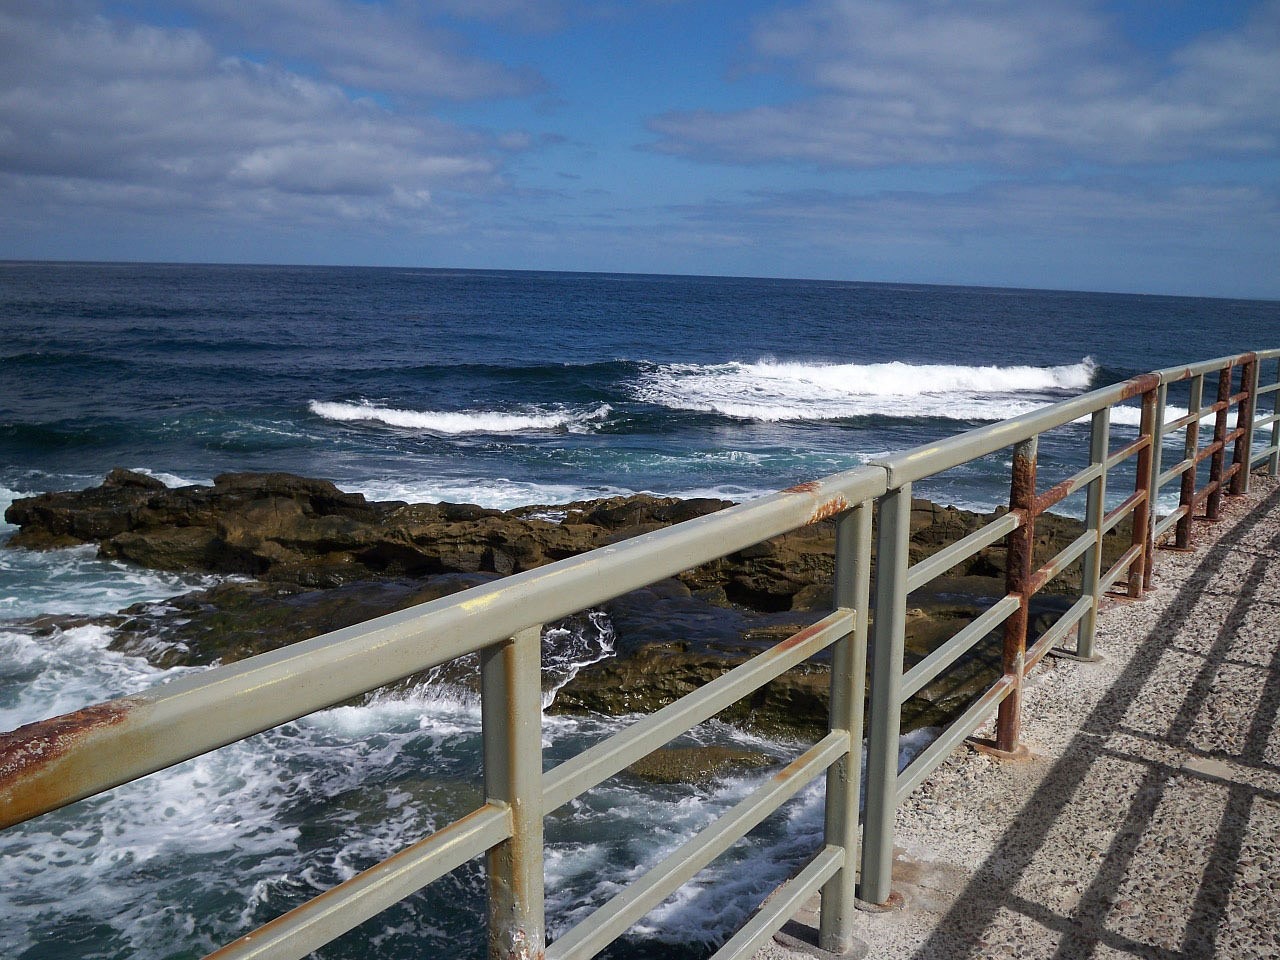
(1146, 822)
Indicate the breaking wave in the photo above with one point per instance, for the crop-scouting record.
(774, 391)
(464, 421)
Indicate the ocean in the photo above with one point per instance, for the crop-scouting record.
(497, 388)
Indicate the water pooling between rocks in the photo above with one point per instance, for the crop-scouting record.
(312, 559)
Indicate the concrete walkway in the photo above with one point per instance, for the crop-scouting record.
(1147, 821)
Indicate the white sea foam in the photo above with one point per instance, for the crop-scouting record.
(455, 422)
(497, 493)
(774, 391)
(76, 581)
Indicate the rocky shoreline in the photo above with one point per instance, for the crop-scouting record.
(310, 558)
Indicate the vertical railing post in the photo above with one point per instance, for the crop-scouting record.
(1191, 449)
(511, 710)
(1140, 519)
(1019, 548)
(852, 588)
(1095, 509)
(1216, 462)
(1273, 463)
(1153, 485)
(893, 539)
(1244, 423)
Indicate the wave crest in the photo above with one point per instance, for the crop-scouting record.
(455, 422)
(769, 390)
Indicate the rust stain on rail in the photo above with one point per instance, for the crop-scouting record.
(825, 510)
(1139, 385)
(32, 747)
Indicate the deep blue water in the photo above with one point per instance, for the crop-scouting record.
(501, 388)
(567, 384)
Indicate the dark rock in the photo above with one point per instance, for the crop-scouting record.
(697, 764)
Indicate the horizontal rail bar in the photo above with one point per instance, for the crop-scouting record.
(937, 751)
(942, 561)
(1181, 467)
(1174, 425)
(1264, 454)
(1068, 555)
(1266, 421)
(1107, 580)
(326, 917)
(1174, 374)
(1167, 523)
(1122, 510)
(598, 763)
(603, 926)
(135, 736)
(782, 905)
(1271, 389)
(1061, 627)
(1060, 491)
(963, 641)
(928, 459)
(1127, 451)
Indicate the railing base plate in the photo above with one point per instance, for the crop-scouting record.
(895, 902)
(989, 748)
(1062, 653)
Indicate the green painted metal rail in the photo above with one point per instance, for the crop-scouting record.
(47, 765)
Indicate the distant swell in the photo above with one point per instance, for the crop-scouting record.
(797, 391)
(476, 421)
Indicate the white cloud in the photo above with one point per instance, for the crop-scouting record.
(368, 46)
(1007, 82)
(141, 117)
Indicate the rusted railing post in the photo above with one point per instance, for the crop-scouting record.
(1153, 484)
(1240, 455)
(888, 635)
(1141, 517)
(1187, 494)
(1020, 545)
(1095, 509)
(1216, 463)
(511, 709)
(852, 588)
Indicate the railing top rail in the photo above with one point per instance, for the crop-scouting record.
(1174, 374)
(129, 738)
(930, 458)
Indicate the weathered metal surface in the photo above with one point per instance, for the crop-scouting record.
(885, 723)
(593, 933)
(851, 589)
(310, 926)
(1214, 506)
(1095, 500)
(1020, 543)
(511, 712)
(601, 761)
(1191, 446)
(1141, 525)
(783, 904)
(46, 764)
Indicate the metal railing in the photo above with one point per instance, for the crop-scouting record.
(52, 763)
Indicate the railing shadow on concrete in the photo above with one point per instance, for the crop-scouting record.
(47, 765)
(1142, 757)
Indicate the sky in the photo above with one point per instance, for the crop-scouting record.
(1117, 146)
